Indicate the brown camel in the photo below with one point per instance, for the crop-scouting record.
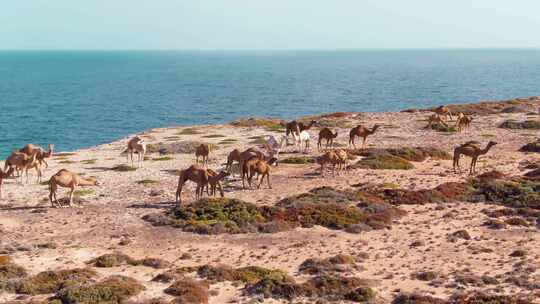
(4, 175)
(435, 119)
(22, 163)
(330, 158)
(361, 131)
(203, 150)
(444, 111)
(214, 181)
(463, 122)
(67, 179)
(31, 149)
(259, 166)
(326, 134)
(240, 157)
(136, 145)
(294, 128)
(196, 174)
(343, 159)
(473, 151)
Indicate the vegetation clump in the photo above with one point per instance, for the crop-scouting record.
(9, 272)
(323, 206)
(383, 162)
(527, 124)
(338, 263)
(112, 290)
(250, 274)
(417, 299)
(181, 147)
(531, 147)
(123, 168)
(189, 291)
(300, 160)
(118, 259)
(270, 124)
(52, 281)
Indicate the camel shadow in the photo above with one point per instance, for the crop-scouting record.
(34, 209)
(100, 168)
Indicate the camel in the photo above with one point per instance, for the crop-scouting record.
(4, 175)
(31, 149)
(273, 146)
(136, 145)
(67, 179)
(331, 158)
(214, 181)
(22, 163)
(196, 174)
(471, 150)
(435, 119)
(463, 122)
(295, 128)
(361, 131)
(259, 166)
(327, 135)
(343, 158)
(202, 151)
(304, 140)
(444, 111)
(236, 155)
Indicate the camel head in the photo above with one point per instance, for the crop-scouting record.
(272, 161)
(375, 127)
(492, 143)
(93, 181)
(222, 175)
(335, 134)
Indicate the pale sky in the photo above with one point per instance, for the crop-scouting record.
(268, 25)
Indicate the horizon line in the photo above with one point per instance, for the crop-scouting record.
(276, 50)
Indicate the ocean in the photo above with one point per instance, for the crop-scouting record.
(78, 99)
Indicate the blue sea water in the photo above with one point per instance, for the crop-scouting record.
(76, 99)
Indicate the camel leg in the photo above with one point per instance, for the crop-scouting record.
(364, 143)
(179, 191)
(472, 166)
(220, 190)
(71, 196)
(261, 181)
(322, 170)
(268, 180)
(1, 182)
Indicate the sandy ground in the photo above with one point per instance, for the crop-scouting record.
(113, 211)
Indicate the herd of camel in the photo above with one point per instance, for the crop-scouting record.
(248, 163)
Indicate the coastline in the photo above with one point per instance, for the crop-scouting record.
(110, 218)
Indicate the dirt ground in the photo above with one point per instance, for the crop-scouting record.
(109, 217)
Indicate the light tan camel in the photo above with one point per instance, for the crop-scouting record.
(463, 122)
(473, 151)
(361, 131)
(214, 181)
(343, 159)
(41, 154)
(136, 145)
(67, 179)
(4, 175)
(444, 111)
(203, 151)
(22, 163)
(435, 119)
(259, 166)
(196, 174)
(327, 135)
(330, 158)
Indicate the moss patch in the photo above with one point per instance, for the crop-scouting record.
(123, 168)
(181, 147)
(269, 124)
(213, 136)
(300, 160)
(83, 192)
(89, 161)
(383, 162)
(112, 290)
(147, 182)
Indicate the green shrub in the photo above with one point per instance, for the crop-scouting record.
(112, 290)
(53, 281)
